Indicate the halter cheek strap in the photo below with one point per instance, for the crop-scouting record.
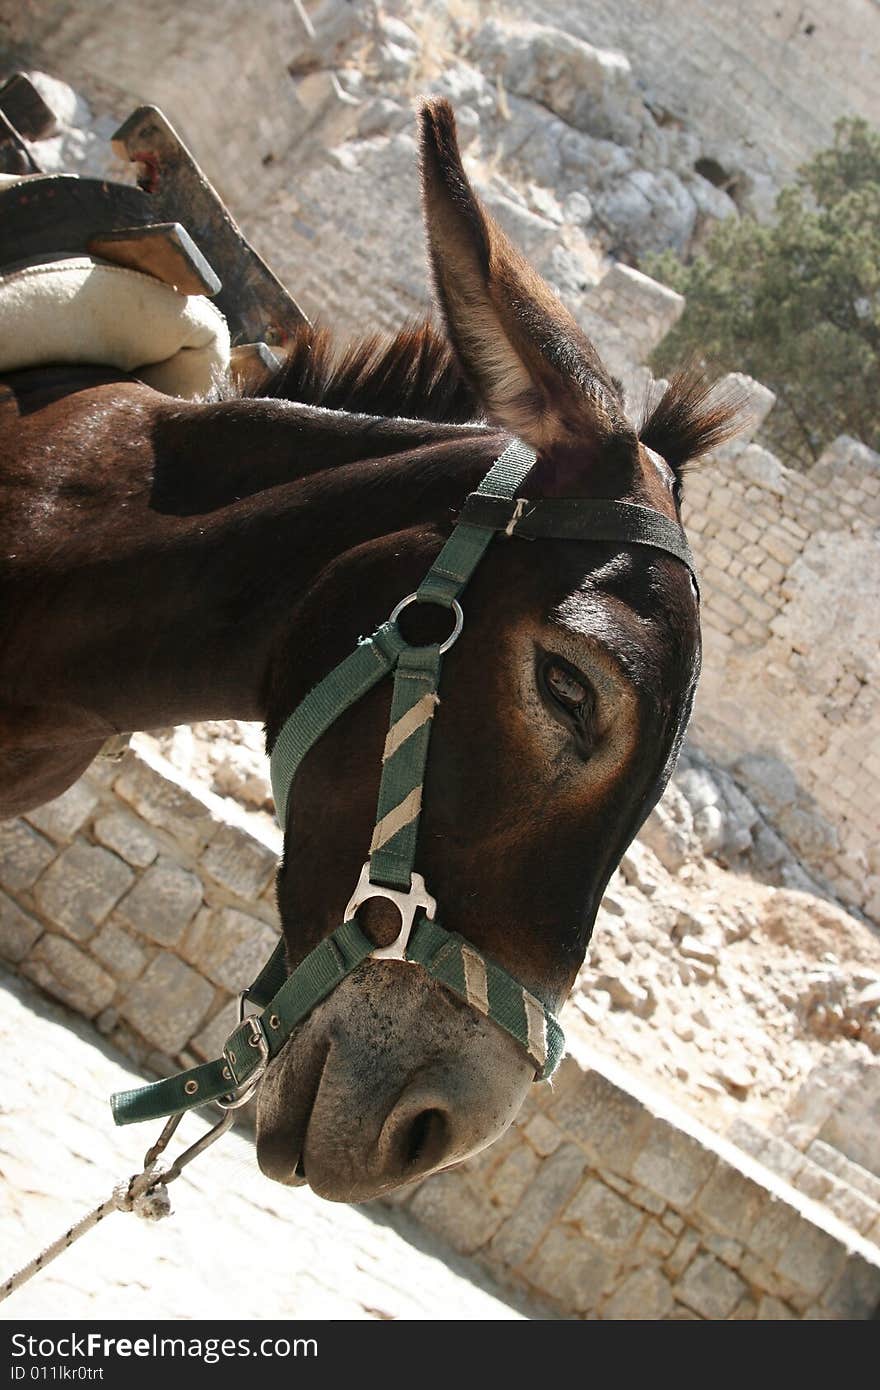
(285, 1000)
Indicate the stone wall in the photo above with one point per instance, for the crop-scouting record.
(610, 1202)
(137, 901)
(790, 571)
(145, 903)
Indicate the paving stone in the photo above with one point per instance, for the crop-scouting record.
(81, 887)
(673, 1164)
(710, 1288)
(23, 855)
(244, 866)
(127, 837)
(557, 1180)
(163, 903)
(644, 1294)
(607, 1218)
(570, 1270)
(65, 971)
(263, 1260)
(68, 813)
(18, 930)
(229, 946)
(168, 1003)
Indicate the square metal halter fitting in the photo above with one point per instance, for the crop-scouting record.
(407, 905)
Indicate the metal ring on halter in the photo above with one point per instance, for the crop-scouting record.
(456, 608)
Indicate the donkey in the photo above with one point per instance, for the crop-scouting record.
(168, 562)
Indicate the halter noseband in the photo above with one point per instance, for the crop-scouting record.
(388, 872)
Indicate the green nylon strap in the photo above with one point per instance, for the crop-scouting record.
(468, 543)
(447, 958)
(579, 518)
(416, 679)
(321, 971)
(371, 659)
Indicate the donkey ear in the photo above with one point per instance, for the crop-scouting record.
(534, 370)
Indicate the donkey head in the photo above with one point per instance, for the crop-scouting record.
(562, 709)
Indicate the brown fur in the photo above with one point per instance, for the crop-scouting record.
(164, 562)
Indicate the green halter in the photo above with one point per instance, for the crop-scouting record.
(388, 872)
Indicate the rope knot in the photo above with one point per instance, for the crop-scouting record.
(145, 1194)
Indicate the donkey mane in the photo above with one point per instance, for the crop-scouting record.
(415, 374)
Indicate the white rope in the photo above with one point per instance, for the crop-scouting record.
(145, 1194)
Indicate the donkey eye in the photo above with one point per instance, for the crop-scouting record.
(565, 686)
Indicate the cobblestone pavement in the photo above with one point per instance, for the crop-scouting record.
(236, 1245)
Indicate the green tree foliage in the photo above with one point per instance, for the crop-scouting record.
(796, 303)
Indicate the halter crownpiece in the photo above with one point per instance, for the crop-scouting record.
(285, 1000)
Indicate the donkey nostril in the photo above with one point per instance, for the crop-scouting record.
(425, 1138)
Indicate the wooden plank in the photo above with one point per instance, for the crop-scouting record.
(25, 109)
(256, 305)
(166, 251)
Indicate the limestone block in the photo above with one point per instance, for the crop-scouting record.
(731, 1202)
(758, 467)
(18, 930)
(239, 863)
(557, 1179)
(167, 1004)
(609, 1123)
(646, 1294)
(23, 855)
(457, 1210)
(63, 817)
(512, 1176)
(164, 804)
(81, 887)
(811, 1258)
(164, 902)
(570, 1270)
(673, 1165)
(208, 1043)
(118, 951)
(62, 969)
(607, 1218)
(710, 1288)
(542, 1134)
(229, 946)
(127, 837)
(855, 1292)
(774, 1310)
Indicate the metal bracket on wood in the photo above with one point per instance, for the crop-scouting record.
(255, 303)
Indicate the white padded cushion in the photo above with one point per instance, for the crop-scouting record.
(86, 311)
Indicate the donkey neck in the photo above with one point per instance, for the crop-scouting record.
(169, 611)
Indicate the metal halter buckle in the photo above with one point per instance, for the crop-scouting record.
(242, 1094)
(407, 905)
